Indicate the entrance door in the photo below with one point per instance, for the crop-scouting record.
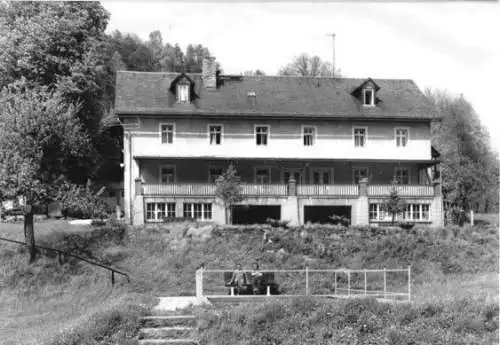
(295, 173)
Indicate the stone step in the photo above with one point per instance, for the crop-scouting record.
(166, 332)
(168, 342)
(154, 321)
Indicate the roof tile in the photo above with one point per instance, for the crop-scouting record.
(148, 93)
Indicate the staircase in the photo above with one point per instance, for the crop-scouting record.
(172, 328)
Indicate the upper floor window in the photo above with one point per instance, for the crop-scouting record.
(359, 173)
(309, 135)
(359, 136)
(261, 135)
(369, 96)
(215, 132)
(262, 175)
(401, 137)
(167, 174)
(167, 133)
(402, 175)
(183, 93)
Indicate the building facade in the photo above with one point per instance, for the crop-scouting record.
(305, 148)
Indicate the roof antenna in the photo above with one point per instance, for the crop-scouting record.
(333, 60)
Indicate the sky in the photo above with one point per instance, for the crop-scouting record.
(451, 46)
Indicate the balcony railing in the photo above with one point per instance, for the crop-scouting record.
(181, 189)
(327, 190)
(403, 190)
(264, 189)
(208, 189)
(274, 190)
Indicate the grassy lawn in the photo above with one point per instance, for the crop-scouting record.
(15, 231)
(44, 299)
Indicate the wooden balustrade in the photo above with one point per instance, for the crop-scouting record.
(271, 190)
(208, 189)
(187, 189)
(403, 190)
(328, 190)
(264, 189)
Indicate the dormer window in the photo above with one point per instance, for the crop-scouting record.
(368, 97)
(183, 93)
(252, 97)
(366, 93)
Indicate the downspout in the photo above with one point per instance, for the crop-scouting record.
(131, 197)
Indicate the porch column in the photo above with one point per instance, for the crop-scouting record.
(290, 207)
(127, 196)
(437, 209)
(137, 200)
(361, 215)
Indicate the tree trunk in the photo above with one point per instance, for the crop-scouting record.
(29, 233)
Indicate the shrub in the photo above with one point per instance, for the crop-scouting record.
(340, 220)
(98, 222)
(277, 223)
(79, 202)
(406, 225)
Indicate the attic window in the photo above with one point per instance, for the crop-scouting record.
(369, 97)
(252, 97)
(183, 93)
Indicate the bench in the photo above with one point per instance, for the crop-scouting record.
(267, 286)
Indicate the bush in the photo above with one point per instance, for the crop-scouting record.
(79, 202)
(340, 220)
(98, 222)
(277, 223)
(406, 225)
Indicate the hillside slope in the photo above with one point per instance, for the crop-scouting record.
(46, 298)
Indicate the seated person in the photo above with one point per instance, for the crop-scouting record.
(256, 278)
(238, 279)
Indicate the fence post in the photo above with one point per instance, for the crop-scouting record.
(112, 278)
(199, 282)
(385, 284)
(348, 283)
(365, 282)
(335, 284)
(409, 283)
(471, 217)
(307, 280)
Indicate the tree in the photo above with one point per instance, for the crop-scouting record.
(395, 205)
(228, 191)
(60, 45)
(251, 73)
(469, 167)
(305, 65)
(39, 135)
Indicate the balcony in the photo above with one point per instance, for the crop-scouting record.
(281, 190)
(403, 190)
(347, 190)
(208, 189)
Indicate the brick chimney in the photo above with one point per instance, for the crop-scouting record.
(209, 73)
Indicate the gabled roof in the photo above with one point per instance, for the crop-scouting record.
(148, 93)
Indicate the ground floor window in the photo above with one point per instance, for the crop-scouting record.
(412, 212)
(158, 211)
(198, 211)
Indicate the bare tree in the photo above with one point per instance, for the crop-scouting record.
(308, 66)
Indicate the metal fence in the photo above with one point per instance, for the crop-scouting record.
(394, 284)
